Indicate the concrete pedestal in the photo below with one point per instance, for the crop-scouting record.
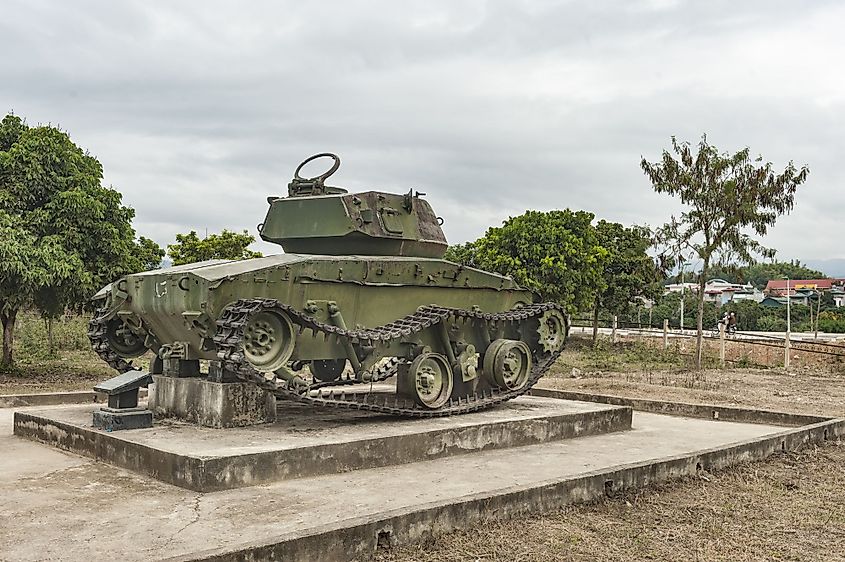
(211, 404)
(308, 442)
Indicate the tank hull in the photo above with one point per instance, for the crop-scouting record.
(182, 304)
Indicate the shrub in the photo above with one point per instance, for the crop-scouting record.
(771, 324)
(832, 322)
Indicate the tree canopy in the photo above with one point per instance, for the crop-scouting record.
(725, 196)
(554, 253)
(629, 273)
(69, 231)
(758, 274)
(147, 255)
(228, 245)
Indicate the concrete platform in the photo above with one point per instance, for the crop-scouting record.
(61, 506)
(307, 442)
(56, 398)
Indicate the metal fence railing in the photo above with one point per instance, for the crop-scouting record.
(668, 332)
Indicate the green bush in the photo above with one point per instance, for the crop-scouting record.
(832, 322)
(771, 324)
(69, 334)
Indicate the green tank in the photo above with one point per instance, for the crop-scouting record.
(361, 295)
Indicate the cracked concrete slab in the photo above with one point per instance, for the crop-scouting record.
(307, 442)
(66, 507)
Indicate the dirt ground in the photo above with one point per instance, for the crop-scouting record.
(790, 507)
(70, 370)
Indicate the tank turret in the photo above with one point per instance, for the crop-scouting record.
(319, 219)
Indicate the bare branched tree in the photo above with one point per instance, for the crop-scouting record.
(728, 198)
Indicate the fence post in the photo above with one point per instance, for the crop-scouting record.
(613, 333)
(786, 351)
(722, 344)
(665, 333)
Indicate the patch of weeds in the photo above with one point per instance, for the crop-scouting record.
(70, 333)
(743, 362)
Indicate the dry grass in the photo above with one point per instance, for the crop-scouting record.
(74, 366)
(635, 370)
(69, 370)
(790, 507)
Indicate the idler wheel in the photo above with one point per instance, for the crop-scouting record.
(432, 378)
(268, 340)
(508, 363)
(123, 341)
(327, 370)
(551, 332)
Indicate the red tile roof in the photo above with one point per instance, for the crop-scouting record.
(795, 284)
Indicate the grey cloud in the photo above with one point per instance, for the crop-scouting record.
(198, 110)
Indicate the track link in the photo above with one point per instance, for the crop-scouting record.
(97, 335)
(229, 337)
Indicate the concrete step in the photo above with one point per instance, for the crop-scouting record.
(306, 442)
(67, 507)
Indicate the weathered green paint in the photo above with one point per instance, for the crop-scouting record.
(373, 256)
(370, 223)
(176, 304)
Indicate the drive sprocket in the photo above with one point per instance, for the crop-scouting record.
(552, 330)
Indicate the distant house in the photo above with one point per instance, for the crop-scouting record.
(773, 302)
(723, 292)
(777, 287)
(804, 296)
(719, 291)
(838, 294)
(680, 288)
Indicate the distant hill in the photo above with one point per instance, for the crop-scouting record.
(831, 268)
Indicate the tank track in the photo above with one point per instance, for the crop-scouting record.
(97, 328)
(229, 335)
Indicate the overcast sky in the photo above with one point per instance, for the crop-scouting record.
(199, 110)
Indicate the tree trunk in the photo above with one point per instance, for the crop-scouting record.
(51, 348)
(699, 338)
(8, 320)
(596, 324)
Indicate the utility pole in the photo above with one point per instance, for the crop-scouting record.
(788, 309)
(683, 293)
(786, 346)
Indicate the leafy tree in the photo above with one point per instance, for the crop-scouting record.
(147, 255)
(832, 322)
(668, 307)
(461, 253)
(726, 195)
(64, 219)
(629, 273)
(555, 253)
(759, 274)
(27, 267)
(228, 245)
(730, 272)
